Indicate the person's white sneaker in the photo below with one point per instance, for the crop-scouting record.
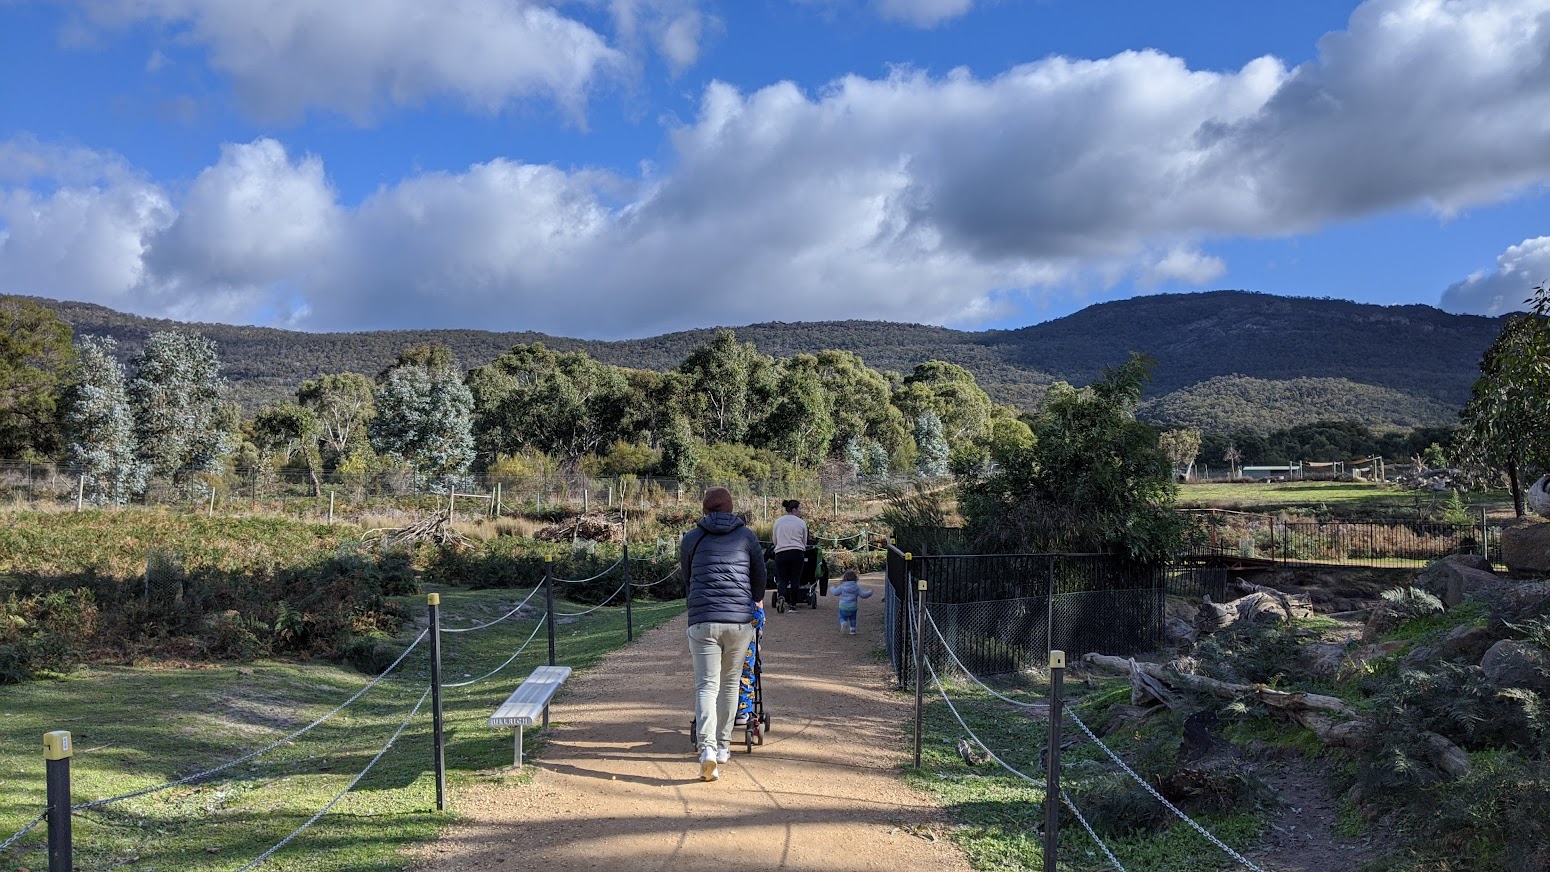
(853, 631)
(723, 755)
(708, 770)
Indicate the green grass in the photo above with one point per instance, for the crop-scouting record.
(1427, 626)
(998, 815)
(1366, 497)
(135, 727)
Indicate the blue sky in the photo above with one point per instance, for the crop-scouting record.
(618, 168)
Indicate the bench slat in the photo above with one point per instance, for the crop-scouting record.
(526, 704)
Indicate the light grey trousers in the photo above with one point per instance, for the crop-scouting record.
(717, 651)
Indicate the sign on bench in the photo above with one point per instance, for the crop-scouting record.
(529, 702)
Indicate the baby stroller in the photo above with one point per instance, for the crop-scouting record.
(758, 721)
(813, 583)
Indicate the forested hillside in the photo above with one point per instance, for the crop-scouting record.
(1229, 403)
(1413, 351)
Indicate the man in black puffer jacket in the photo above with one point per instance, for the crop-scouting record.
(724, 565)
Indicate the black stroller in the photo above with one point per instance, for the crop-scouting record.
(813, 583)
(758, 719)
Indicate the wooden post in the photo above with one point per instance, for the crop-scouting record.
(920, 660)
(56, 763)
(586, 500)
(211, 512)
(451, 503)
(80, 492)
(330, 507)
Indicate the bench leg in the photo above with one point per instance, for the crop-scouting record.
(518, 741)
(546, 717)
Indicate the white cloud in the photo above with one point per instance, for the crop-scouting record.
(287, 56)
(1518, 271)
(1183, 265)
(912, 197)
(923, 13)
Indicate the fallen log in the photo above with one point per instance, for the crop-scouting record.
(1295, 605)
(1331, 720)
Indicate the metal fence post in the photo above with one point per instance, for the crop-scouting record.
(1049, 608)
(434, 602)
(629, 598)
(56, 756)
(549, 618)
(920, 660)
(1057, 669)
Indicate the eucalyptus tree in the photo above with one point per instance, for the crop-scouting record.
(282, 431)
(563, 403)
(184, 422)
(951, 392)
(931, 445)
(728, 388)
(342, 404)
(798, 425)
(99, 427)
(1504, 423)
(424, 415)
(861, 403)
(36, 364)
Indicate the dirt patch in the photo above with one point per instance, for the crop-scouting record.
(617, 785)
(1302, 832)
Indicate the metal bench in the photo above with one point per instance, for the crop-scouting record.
(529, 702)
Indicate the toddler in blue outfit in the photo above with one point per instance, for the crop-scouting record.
(849, 592)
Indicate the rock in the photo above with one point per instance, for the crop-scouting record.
(1517, 664)
(1530, 599)
(1465, 641)
(1538, 496)
(1526, 548)
(1179, 633)
(1457, 576)
(1383, 619)
(1322, 658)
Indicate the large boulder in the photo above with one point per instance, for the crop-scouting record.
(1466, 642)
(1526, 548)
(1517, 664)
(1457, 576)
(1530, 599)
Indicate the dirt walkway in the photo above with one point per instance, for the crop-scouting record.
(618, 785)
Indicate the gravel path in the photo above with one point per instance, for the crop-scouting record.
(618, 786)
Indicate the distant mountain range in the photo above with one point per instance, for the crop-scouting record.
(1225, 359)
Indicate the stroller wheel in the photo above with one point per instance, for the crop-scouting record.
(758, 737)
(694, 735)
(748, 738)
(780, 605)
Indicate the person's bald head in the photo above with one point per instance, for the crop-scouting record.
(717, 499)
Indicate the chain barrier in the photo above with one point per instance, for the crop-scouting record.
(518, 608)
(1159, 797)
(594, 608)
(351, 786)
(1090, 735)
(657, 582)
(518, 652)
(1066, 798)
(975, 678)
(860, 538)
(22, 832)
(85, 806)
(593, 578)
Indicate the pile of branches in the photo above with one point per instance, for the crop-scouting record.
(436, 529)
(597, 527)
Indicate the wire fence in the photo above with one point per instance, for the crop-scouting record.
(319, 494)
(1376, 542)
(1004, 612)
(955, 660)
(541, 619)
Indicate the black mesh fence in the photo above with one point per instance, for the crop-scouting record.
(1003, 613)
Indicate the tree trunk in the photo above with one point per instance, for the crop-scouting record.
(1315, 711)
(1515, 483)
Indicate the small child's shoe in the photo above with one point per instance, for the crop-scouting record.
(853, 631)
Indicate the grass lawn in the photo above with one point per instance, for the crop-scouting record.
(135, 728)
(1000, 815)
(1367, 498)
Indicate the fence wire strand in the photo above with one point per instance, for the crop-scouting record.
(85, 806)
(974, 678)
(518, 608)
(611, 568)
(1090, 831)
(658, 581)
(1159, 797)
(23, 831)
(351, 786)
(514, 655)
(596, 607)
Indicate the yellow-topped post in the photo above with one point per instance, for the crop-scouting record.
(57, 751)
(920, 661)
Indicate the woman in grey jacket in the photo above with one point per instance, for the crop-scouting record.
(724, 566)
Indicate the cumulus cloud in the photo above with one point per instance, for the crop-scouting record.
(911, 197)
(923, 13)
(1518, 271)
(287, 56)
